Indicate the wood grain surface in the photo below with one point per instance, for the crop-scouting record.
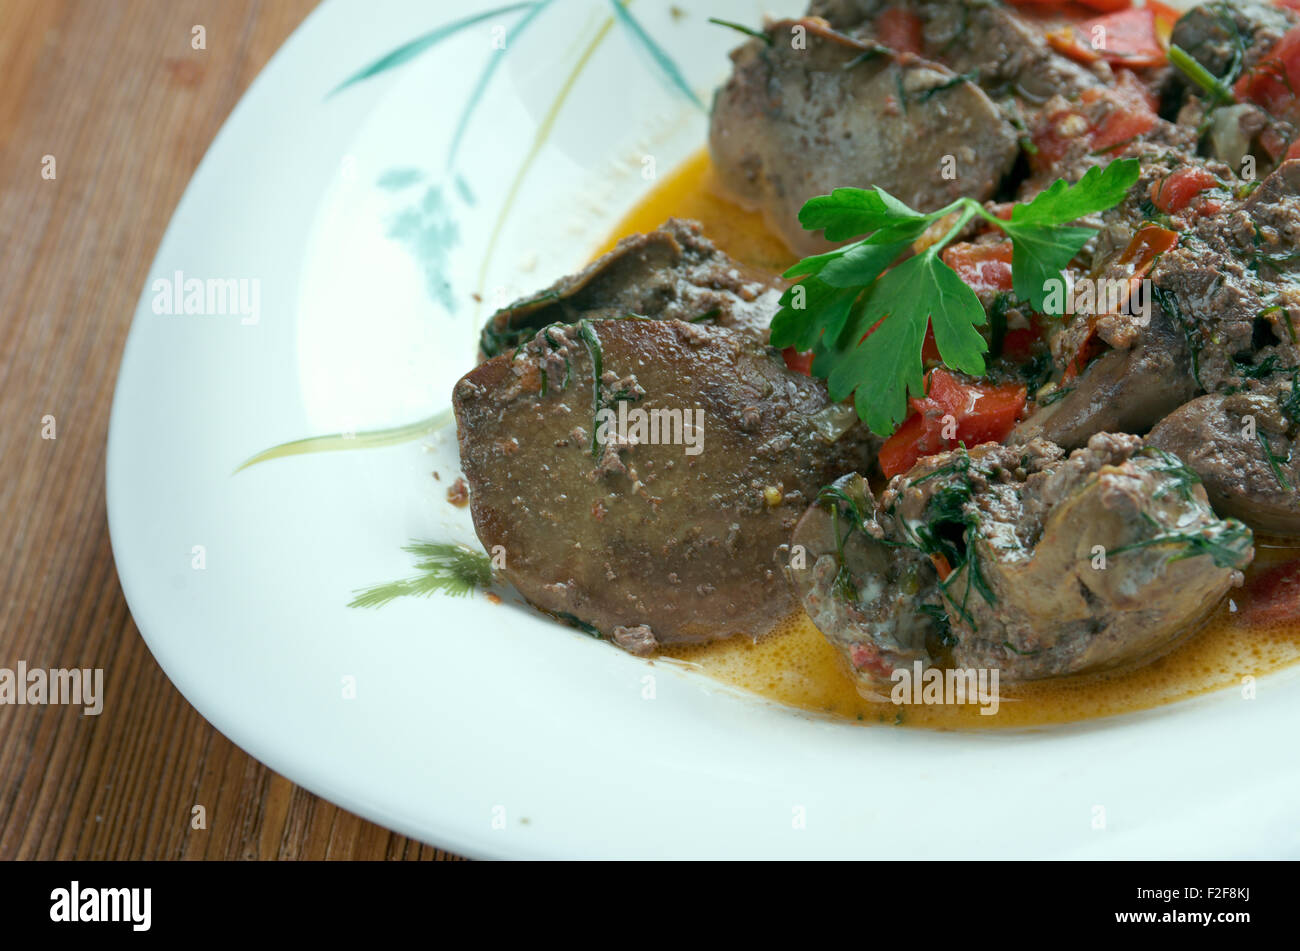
(113, 90)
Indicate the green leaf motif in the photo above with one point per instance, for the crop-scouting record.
(336, 442)
(453, 570)
(662, 60)
(408, 51)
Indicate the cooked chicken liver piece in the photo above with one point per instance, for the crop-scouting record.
(1231, 38)
(1224, 311)
(646, 543)
(792, 123)
(1019, 533)
(1246, 449)
(1233, 280)
(674, 273)
(1006, 51)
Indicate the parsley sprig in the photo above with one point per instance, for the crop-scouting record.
(844, 293)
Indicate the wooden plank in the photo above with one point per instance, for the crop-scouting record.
(113, 90)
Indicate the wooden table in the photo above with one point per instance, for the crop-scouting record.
(113, 90)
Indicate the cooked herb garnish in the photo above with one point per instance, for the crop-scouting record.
(1224, 12)
(493, 341)
(592, 342)
(845, 293)
(1220, 93)
(1262, 370)
(949, 531)
(843, 585)
(1058, 394)
(1218, 545)
(1191, 332)
(1182, 478)
(1275, 462)
(1291, 402)
(1279, 261)
(451, 569)
(589, 629)
(866, 56)
(925, 95)
(943, 626)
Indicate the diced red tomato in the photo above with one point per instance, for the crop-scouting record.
(900, 30)
(930, 348)
(1104, 5)
(798, 362)
(1091, 348)
(1018, 344)
(1130, 112)
(1294, 151)
(984, 267)
(1148, 244)
(1129, 37)
(1166, 18)
(1108, 6)
(1273, 596)
(1133, 113)
(1275, 81)
(1176, 190)
(982, 413)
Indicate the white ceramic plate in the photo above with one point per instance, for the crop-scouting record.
(484, 728)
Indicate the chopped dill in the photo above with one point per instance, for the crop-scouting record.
(1218, 546)
(1275, 462)
(1181, 478)
(1167, 302)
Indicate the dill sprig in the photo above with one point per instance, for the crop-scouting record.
(1226, 547)
(450, 569)
(1182, 479)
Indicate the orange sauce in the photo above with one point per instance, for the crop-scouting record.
(795, 665)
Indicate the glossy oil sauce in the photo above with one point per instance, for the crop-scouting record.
(795, 665)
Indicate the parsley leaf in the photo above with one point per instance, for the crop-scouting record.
(864, 315)
(1098, 190)
(920, 289)
(848, 212)
(1039, 253)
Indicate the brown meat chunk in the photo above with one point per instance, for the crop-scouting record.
(674, 273)
(801, 117)
(649, 542)
(1016, 558)
(1246, 450)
